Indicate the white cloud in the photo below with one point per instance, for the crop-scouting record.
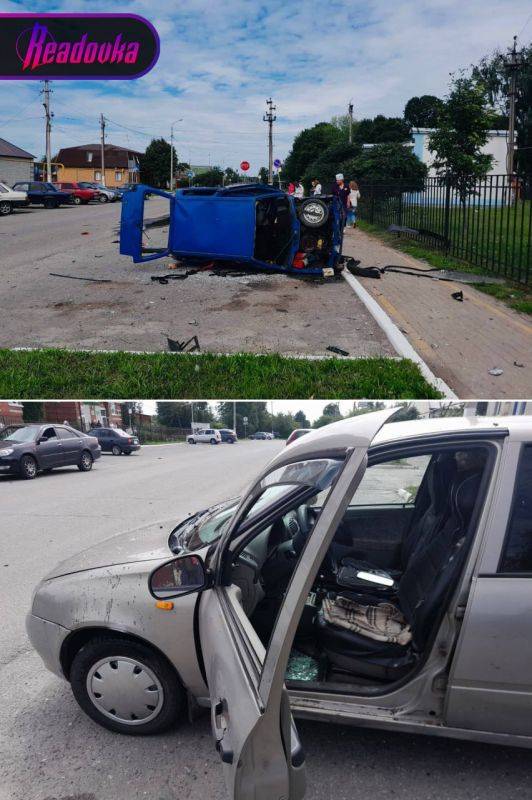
(220, 61)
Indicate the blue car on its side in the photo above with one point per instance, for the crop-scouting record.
(252, 225)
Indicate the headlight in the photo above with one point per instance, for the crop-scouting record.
(7, 451)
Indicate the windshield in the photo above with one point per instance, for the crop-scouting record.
(18, 434)
(203, 528)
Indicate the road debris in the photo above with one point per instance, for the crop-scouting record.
(517, 364)
(81, 278)
(496, 371)
(458, 296)
(179, 347)
(337, 350)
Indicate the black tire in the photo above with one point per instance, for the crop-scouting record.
(191, 441)
(116, 450)
(5, 208)
(86, 461)
(102, 647)
(76, 200)
(103, 198)
(49, 203)
(28, 467)
(127, 452)
(213, 441)
(313, 212)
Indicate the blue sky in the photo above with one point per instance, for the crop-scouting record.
(220, 61)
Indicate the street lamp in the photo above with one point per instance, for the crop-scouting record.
(172, 151)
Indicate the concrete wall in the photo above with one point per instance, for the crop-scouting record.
(15, 169)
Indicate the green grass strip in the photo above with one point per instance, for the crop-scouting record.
(61, 374)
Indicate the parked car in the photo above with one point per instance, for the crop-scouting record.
(116, 441)
(125, 187)
(228, 435)
(30, 449)
(103, 193)
(247, 224)
(45, 194)
(81, 195)
(209, 435)
(296, 434)
(10, 199)
(260, 435)
(324, 582)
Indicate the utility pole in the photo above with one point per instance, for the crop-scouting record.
(48, 115)
(513, 64)
(172, 152)
(350, 112)
(270, 118)
(102, 146)
(234, 416)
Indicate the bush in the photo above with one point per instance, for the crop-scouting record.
(327, 165)
(391, 165)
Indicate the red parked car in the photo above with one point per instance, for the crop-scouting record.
(79, 195)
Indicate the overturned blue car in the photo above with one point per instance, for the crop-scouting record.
(251, 225)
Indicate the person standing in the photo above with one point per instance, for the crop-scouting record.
(316, 186)
(291, 188)
(299, 191)
(352, 203)
(341, 191)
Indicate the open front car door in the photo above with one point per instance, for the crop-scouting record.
(252, 725)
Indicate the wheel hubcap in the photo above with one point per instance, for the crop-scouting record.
(30, 468)
(125, 690)
(86, 460)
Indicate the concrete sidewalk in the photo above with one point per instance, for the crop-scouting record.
(460, 342)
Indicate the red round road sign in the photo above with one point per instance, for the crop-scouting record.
(244, 166)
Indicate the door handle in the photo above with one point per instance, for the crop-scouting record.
(220, 728)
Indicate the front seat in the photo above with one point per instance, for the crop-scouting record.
(432, 505)
(384, 639)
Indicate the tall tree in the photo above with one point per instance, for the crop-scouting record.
(307, 146)
(325, 167)
(393, 165)
(493, 72)
(301, 418)
(32, 411)
(423, 112)
(382, 130)
(211, 177)
(463, 130)
(155, 163)
(263, 175)
(258, 418)
(176, 414)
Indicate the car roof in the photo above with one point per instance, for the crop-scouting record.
(338, 436)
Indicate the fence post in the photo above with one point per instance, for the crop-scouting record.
(447, 212)
(400, 208)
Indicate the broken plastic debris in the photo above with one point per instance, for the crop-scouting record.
(458, 296)
(338, 350)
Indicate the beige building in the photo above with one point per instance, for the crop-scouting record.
(83, 163)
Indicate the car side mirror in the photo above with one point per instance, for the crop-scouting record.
(181, 576)
(41, 439)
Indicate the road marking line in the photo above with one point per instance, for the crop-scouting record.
(396, 338)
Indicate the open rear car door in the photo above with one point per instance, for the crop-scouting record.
(252, 725)
(132, 225)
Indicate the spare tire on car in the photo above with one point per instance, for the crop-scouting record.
(313, 212)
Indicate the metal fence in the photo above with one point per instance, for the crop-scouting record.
(491, 227)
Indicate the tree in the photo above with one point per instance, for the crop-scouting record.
(307, 146)
(325, 167)
(342, 123)
(264, 175)
(155, 163)
(493, 73)
(211, 177)
(331, 413)
(301, 419)
(393, 165)
(405, 412)
(179, 414)
(125, 408)
(231, 176)
(423, 112)
(256, 412)
(32, 412)
(382, 130)
(463, 130)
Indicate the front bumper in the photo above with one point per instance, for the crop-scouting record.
(9, 465)
(47, 638)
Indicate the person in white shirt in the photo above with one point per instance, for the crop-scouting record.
(316, 186)
(299, 190)
(352, 203)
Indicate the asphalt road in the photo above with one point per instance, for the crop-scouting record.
(49, 750)
(250, 313)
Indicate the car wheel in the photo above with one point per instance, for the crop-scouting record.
(191, 441)
(103, 198)
(313, 212)
(5, 208)
(28, 467)
(125, 686)
(116, 450)
(127, 452)
(85, 462)
(76, 200)
(213, 441)
(50, 204)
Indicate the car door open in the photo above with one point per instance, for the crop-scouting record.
(251, 720)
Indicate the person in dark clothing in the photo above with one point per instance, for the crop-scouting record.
(341, 191)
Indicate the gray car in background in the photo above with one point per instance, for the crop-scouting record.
(374, 574)
(29, 449)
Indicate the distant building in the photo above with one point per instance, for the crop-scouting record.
(495, 146)
(496, 408)
(10, 413)
(84, 416)
(83, 163)
(15, 164)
